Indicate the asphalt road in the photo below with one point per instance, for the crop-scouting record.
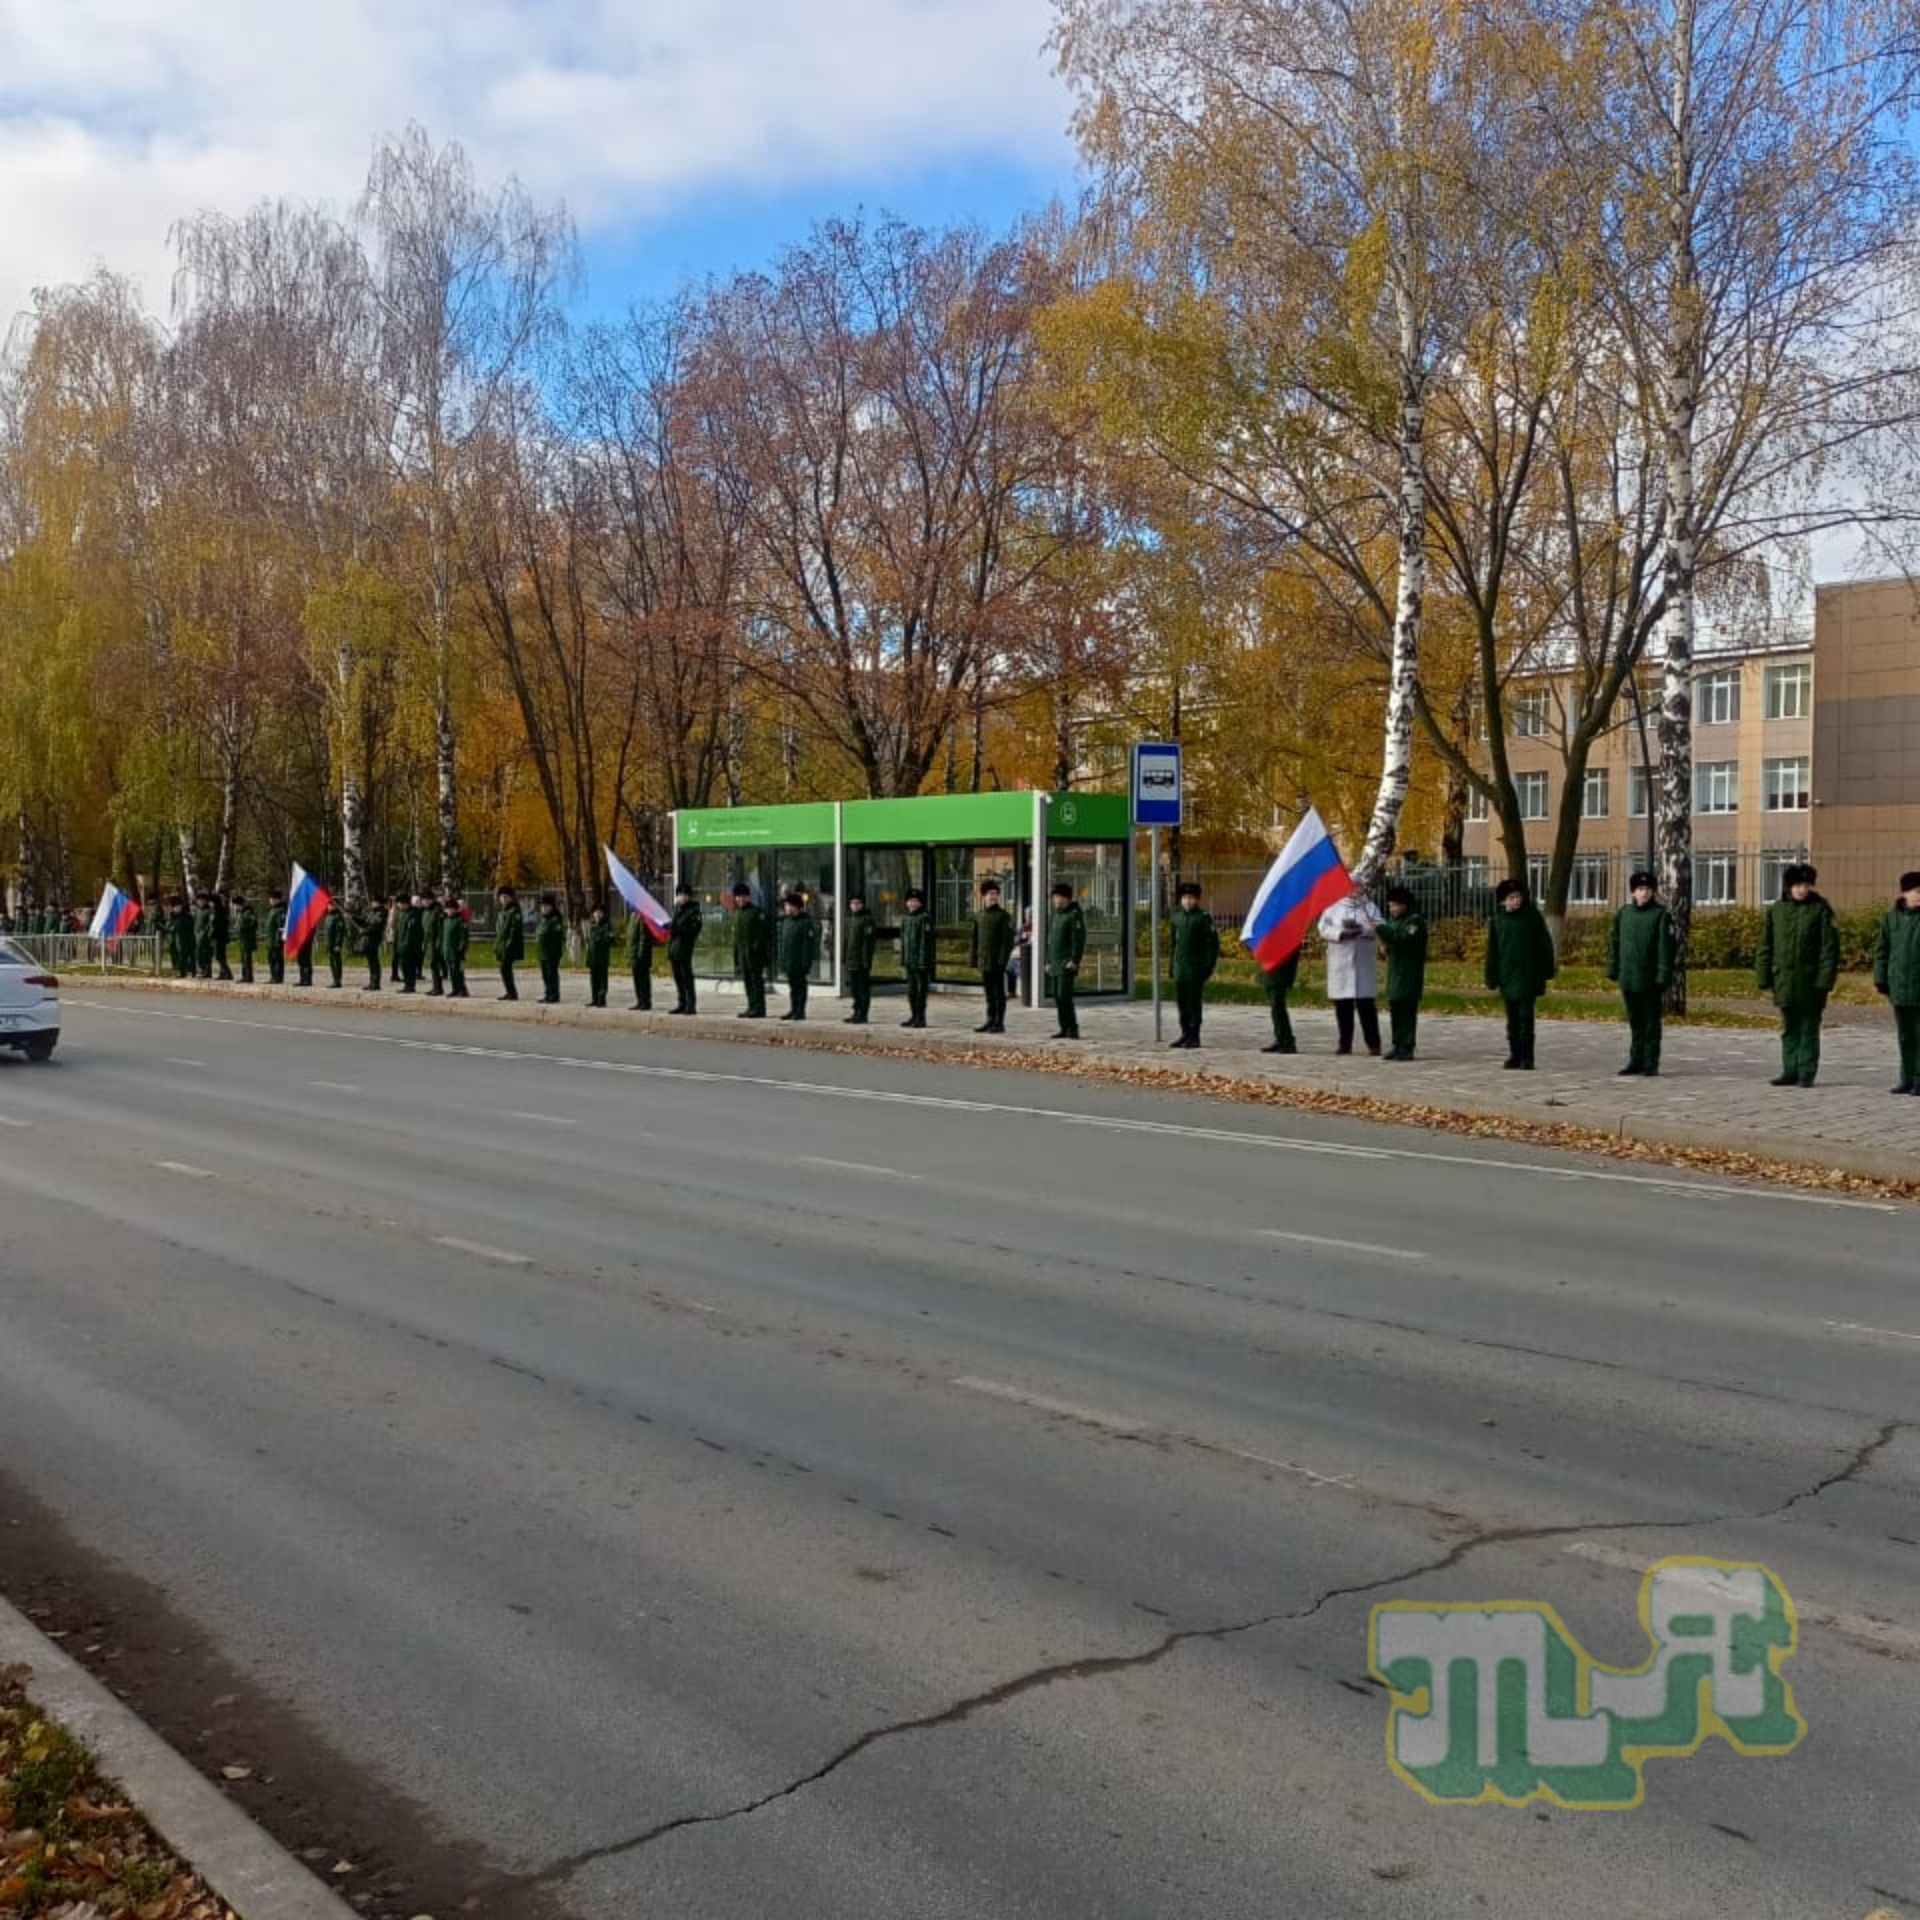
(636, 1478)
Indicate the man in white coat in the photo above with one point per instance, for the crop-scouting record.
(1353, 968)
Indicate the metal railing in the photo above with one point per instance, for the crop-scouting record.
(79, 952)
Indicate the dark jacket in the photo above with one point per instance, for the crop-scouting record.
(1405, 940)
(1196, 946)
(510, 936)
(410, 939)
(799, 944)
(373, 932)
(334, 925)
(992, 939)
(249, 928)
(599, 942)
(751, 947)
(1520, 956)
(1641, 948)
(1896, 957)
(683, 932)
(640, 942)
(1799, 957)
(1279, 981)
(916, 941)
(1066, 937)
(454, 936)
(552, 934)
(863, 937)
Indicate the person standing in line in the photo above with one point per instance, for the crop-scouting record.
(992, 951)
(455, 932)
(752, 949)
(222, 935)
(1066, 949)
(333, 928)
(1279, 982)
(1896, 974)
(1404, 935)
(248, 923)
(303, 956)
(277, 939)
(435, 926)
(410, 943)
(863, 941)
(550, 943)
(1353, 968)
(1798, 963)
(373, 933)
(1520, 963)
(916, 956)
(799, 946)
(1641, 950)
(640, 945)
(1196, 952)
(599, 954)
(683, 941)
(509, 940)
(202, 936)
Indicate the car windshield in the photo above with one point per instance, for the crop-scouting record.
(12, 956)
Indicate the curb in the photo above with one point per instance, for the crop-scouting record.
(1786, 1151)
(251, 1872)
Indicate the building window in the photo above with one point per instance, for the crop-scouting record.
(1716, 698)
(1773, 871)
(1593, 794)
(1587, 885)
(1531, 791)
(1476, 804)
(1786, 785)
(1716, 786)
(1537, 875)
(1715, 879)
(1476, 875)
(1790, 691)
(1639, 791)
(1530, 713)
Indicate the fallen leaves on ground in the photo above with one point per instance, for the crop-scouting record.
(70, 1846)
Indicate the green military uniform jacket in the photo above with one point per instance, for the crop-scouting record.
(334, 926)
(1896, 957)
(249, 928)
(799, 944)
(1642, 948)
(1520, 956)
(992, 939)
(1405, 939)
(552, 934)
(454, 935)
(916, 941)
(599, 942)
(1066, 937)
(277, 926)
(683, 932)
(435, 919)
(510, 936)
(639, 943)
(1799, 957)
(373, 932)
(1196, 946)
(203, 927)
(751, 947)
(863, 940)
(410, 939)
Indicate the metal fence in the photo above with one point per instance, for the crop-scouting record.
(78, 952)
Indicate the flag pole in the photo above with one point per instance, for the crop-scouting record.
(1153, 859)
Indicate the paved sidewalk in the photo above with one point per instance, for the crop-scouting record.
(1712, 1091)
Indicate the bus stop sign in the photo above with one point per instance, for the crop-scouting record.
(1157, 787)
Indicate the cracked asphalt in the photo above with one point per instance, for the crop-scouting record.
(609, 1476)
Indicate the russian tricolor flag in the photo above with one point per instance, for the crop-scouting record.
(113, 916)
(1302, 884)
(307, 904)
(638, 899)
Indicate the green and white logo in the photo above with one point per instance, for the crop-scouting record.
(1497, 1701)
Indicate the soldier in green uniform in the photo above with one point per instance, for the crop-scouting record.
(434, 922)
(1799, 960)
(277, 937)
(1641, 951)
(203, 936)
(303, 956)
(798, 943)
(752, 949)
(333, 928)
(916, 955)
(1520, 962)
(1279, 982)
(1066, 949)
(454, 935)
(863, 939)
(683, 938)
(222, 935)
(248, 921)
(372, 929)
(599, 955)
(509, 940)
(1404, 935)
(1896, 973)
(550, 944)
(1196, 952)
(640, 945)
(993, 938)
(410, 943)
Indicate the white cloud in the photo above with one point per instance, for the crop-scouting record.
(119, 116)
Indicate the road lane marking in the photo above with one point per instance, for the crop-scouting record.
(186, 1063)
(481, 1251)
(856, 1166)
(1044, 1403)
(1343, 1246)
(181, 1167)
(1284, 1466)
(7, 1120)
(1880, 1634)
(1107, 1123)
(543, 1119)
(334, 1086)
(1879, 1333)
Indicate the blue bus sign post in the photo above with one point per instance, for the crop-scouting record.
(1159, 792)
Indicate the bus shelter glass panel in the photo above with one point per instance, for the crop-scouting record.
(807, 871)
(771, 872)
(1097, 873)
(958, 872)
(882, 876)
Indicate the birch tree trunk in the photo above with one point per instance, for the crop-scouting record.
(353, 824)
(189, 861)
(229, 807)
(445, 764)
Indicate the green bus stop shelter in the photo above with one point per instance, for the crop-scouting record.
(943, 844)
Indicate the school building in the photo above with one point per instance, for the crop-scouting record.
(1806, 746)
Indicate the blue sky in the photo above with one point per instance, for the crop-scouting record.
(685, 136)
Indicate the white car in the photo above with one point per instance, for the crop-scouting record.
(29, 1004)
